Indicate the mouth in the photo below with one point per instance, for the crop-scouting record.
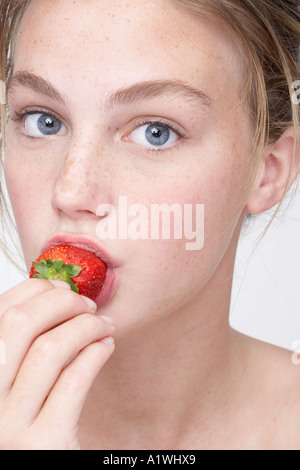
(113, 273)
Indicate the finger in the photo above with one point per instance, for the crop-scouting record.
(22, 324)
(64, 404)
(22, 292)
(49, 354)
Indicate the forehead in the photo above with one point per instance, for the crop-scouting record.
(111, 43)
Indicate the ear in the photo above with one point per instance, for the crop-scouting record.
(271, 179)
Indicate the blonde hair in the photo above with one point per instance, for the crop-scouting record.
(269, 33)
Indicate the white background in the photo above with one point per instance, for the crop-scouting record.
(266, 288)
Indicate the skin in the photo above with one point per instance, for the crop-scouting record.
(170, 311)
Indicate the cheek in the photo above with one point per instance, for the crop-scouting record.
(19, 185)
(163, 271)
(28, 196)
(29, 171)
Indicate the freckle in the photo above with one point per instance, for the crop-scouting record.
(107, 38)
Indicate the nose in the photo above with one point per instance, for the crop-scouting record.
(83, 182)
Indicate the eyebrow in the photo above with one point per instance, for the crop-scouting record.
(134, 93)
(35, 83)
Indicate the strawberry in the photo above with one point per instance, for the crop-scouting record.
(83, 270)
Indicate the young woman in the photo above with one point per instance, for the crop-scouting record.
(190, 103)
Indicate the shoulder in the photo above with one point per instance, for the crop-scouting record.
(280, 367)
(278, 370)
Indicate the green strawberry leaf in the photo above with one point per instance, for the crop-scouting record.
(57, 270)
(41, 268)
(73, 286)
(38, 276)
(57, 265)
(72, 270)
(77, 270)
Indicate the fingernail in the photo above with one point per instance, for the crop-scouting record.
(108, 340)
(61, 284)
(107, 319)
(89, 302)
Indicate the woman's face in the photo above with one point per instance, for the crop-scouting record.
(93, 145)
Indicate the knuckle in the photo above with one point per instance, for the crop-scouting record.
(14, 318)
(45, 345)
(14, 295)
(71, 382)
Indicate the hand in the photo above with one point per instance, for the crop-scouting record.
(55, 346)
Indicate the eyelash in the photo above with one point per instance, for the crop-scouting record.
(18, 117)
(162, 122)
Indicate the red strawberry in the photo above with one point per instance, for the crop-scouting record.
(83, 270)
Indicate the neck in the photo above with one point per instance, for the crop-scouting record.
(164, 380)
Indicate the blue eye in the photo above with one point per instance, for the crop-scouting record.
(39, 125)
(154, 135)
(157, 135)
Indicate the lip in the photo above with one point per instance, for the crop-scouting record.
(113, 274)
